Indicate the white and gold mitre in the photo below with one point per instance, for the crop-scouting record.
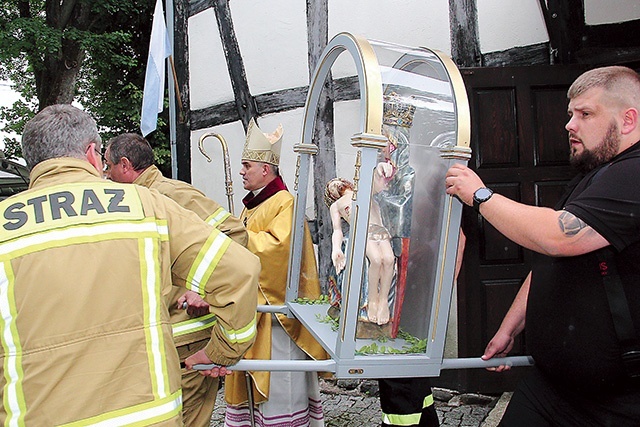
(262, 147)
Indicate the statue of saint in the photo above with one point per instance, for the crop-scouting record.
(381, 260)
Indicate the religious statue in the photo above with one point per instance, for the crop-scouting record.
(389, 231)
(381, 267)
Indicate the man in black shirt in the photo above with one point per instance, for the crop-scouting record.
(579, 378)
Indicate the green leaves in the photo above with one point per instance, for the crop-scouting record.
(96, 51)
(412, 345)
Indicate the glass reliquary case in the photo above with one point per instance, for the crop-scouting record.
(394, 230)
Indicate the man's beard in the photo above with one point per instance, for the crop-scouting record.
(605, 151)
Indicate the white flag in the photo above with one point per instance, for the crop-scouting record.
(159, 50)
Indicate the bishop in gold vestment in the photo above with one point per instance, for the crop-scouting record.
(282, 398)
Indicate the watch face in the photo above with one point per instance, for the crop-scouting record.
(482, 194)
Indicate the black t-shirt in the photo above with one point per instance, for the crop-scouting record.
(569, 327)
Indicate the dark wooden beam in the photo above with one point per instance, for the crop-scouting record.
(197, 6)
(345, 89)
(324, 163)
(537, 54)
(565, 25)
(463, 23)
(181, 61)
(214, 115)
(612, 35)
(245, 104)
(598, 56)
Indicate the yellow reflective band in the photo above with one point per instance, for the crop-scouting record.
(428, 401)
(206, 261)
(70, 204)
(12, 394)
(194, 325)
(219, 216)
(241, 335)
(152, 299)
(139, 415)
(407, 419)
(83, 234)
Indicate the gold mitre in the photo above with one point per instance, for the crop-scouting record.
(262, 147)
(397, 112)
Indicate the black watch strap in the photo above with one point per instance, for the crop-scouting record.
(480, 196)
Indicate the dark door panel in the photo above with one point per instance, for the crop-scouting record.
(520, 150)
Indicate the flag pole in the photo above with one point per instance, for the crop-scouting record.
(172, 94)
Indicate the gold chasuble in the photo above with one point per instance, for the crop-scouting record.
(269, 227)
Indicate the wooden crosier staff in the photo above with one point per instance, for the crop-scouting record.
(175, 84)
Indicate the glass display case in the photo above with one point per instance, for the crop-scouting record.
(397, 230)
(394, 229)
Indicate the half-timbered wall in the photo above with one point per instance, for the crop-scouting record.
(238, 59)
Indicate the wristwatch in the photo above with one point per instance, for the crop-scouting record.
(481, 195)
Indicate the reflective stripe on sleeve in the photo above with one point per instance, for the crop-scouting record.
(206, 261)
(219, 216)
(241, 335)
(194, 325)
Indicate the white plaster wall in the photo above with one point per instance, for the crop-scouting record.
(610, 11)
(405, 22)
(209, 77)
(408, 23)
(272, 35)
(506, 24)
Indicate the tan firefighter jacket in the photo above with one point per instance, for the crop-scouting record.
(86, 269)
(187, 330)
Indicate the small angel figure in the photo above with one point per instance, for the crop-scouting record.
(339, 195)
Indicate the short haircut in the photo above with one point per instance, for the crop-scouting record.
(58, 131)
(132, 146)
(622, 85)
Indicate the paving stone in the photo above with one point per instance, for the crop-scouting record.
(472, 399)
(443, 394)
(356, 404)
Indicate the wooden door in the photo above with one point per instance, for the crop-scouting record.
(520, 150)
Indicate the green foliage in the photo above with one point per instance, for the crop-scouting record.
(412, 345)
(329, 320)
(91, 53)
(323, 299)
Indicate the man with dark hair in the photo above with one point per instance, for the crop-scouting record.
(87, 268)
(581, 301)
(129, 159)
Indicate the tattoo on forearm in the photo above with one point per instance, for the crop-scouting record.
(570, 224)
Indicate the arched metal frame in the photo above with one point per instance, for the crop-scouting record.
(344, 363)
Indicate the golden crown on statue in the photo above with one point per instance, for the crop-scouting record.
(397, 112)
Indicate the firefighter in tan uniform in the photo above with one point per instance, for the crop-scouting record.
(86, 274)
(129, 159)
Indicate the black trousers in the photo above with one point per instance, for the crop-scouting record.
(538, 402)
(407, 402)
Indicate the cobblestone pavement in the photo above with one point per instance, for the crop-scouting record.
(350, 403)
